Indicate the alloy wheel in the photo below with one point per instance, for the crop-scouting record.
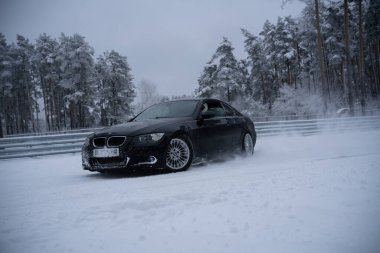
(178, 154)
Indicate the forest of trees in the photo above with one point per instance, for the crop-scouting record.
(77, 90)
(328, 58)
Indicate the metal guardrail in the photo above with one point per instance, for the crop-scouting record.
(313, 126)
(40, 145)
(70, 131)
(28, 146)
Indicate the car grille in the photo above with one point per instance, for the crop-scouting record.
(99, 141)
(113, 141)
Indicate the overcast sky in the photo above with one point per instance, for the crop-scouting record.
(167, 42)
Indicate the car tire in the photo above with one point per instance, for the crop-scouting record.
(248, 145)
(179, 154)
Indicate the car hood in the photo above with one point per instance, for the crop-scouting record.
(139, 127)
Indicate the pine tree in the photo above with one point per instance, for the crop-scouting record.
(115, 88)
(48, 69)
(207, 81)
(5, 85)
(24, 93)
(348, 58)
(260, 78)
(220, 77)
(361, 58)
(77, 78)
(372, 46)
(334, 41)
(309, 56)
(271, 79)
(321, 56)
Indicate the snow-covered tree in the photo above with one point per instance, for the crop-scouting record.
(298, 101)
(48, 69)
(221, 75)
(77, 78)
(24, 93)
(5, 85)
(63, 73)
(207, 81)
(115, 88)
(260, 78)
(372, 42)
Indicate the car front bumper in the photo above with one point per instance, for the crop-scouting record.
(131, 157)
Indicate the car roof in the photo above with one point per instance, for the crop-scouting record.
(196, 99)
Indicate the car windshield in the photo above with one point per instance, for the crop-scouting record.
(172, 109)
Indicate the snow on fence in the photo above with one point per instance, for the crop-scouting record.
(71, 142)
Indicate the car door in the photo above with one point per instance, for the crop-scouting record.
(235, 126)
(212, 130)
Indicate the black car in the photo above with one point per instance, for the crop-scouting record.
(172, 136)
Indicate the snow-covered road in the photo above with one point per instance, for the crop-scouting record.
(316, 193)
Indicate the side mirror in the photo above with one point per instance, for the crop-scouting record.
(208, 115)
(205, 115)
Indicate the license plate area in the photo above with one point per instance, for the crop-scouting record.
(106, 152)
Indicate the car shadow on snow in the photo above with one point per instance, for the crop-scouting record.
(125, 174)
(137, 173)
(140, 172)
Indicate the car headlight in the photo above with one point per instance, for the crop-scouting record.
(150, 138)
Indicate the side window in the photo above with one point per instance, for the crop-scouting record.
(229, 111)
(215, 108)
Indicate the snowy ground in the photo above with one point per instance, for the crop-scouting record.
(317, 193)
